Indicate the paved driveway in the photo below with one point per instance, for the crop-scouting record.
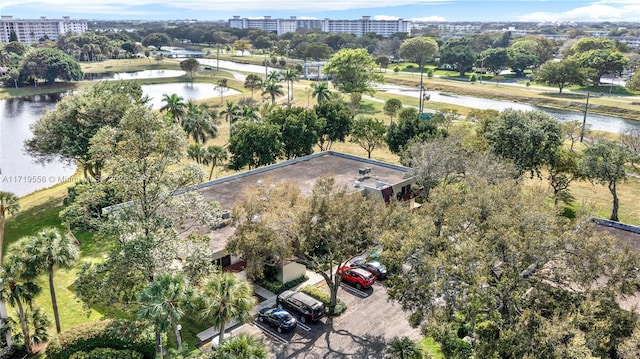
(361, 332)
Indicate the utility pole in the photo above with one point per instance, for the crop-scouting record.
(584, 120)
(421, 86)
(218, 58)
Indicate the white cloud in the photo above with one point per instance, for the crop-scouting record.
(606, 10)
(433, 18)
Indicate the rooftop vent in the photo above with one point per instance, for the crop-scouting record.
(364, 170)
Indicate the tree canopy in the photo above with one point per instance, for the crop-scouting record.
(50, 64)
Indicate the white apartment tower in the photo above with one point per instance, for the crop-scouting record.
(357, 27)
(32, 30)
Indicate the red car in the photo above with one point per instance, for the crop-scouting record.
(360, 278)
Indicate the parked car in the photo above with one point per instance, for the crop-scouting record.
(360, 278)
(376, 268)
(373, 266)
(307, 307)
(278, 318)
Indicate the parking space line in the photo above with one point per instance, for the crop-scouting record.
(355, 291)
(304, 327)
(271, 334)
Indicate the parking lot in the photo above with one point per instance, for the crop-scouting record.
(362, 331)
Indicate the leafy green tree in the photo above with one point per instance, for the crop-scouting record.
(157, 39)
(368, 133)
(322, 231)
(242, 46)
(403, 348)
(66, 131)
(409, 128)
(563, 169)
(334, 123)
(601, 61)
(522, 55)
(529, 138)
(604, 163)
(224, 298)
(298, 129)
(16, 47)
(459, 53)
(564, 73)
(199, 123)
(495, 59)
(166, 299)
(589, 44)
(272, 89)
(383, 62)
(253, 82)
(492, 263)
(321, 91)
(174, 105)
(214, 155)
(420, 50)
(50, 64)
(634, 82)
(190, 65)
(196, 152)
(9, 206)
(243, 346)
(392, 106)
(254, 144)
(47, 250)
(353, 72)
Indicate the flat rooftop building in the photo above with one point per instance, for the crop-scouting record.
(34, 30)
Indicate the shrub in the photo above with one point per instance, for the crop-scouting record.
(396, 69)
(107, 353)
(275, 286)
(325, 298)
(106, 334)
(409, 67)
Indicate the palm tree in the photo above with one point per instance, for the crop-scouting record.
(273, 89)
(230, 112)
(321, 91)
(403, 348)
(244, 346)
(249, 113)
(174, 105)
(195, 151)
(225, 298)
(167, 297)
(198, 122)
(49, 249)
(274, 76)
(289, 76)
(9, 206)
(214, 155)
(17, 285)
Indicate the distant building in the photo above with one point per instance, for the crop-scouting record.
(358, 27)
(32, 30)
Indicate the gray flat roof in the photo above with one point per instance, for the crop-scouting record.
(305, 171)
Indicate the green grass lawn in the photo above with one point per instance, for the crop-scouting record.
(431, 348)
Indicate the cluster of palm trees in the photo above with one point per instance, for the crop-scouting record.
(25, 260)
(222, 299)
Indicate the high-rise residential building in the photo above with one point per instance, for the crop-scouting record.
(32, 30)
(357, 27)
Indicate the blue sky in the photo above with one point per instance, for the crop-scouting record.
(434, 10)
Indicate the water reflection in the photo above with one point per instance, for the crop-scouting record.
(135, 75)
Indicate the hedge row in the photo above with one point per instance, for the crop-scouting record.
(278, 287)
(325, 298)
(107, 353)
(106, 334)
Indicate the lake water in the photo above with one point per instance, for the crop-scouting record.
(135, 75)
(20, 174)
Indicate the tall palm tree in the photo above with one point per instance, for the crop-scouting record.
(18, 286)
(214, 155)
(249, 113)
(244, 346)
(198, 122)
(9, 206)
(225, 298)
(273, 89)
(289, 76)
(167, 297)
(49, 249)
(321, 91)
(230, 111)
(174, 105)
(274, 76)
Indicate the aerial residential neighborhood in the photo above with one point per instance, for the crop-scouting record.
(339, 179)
